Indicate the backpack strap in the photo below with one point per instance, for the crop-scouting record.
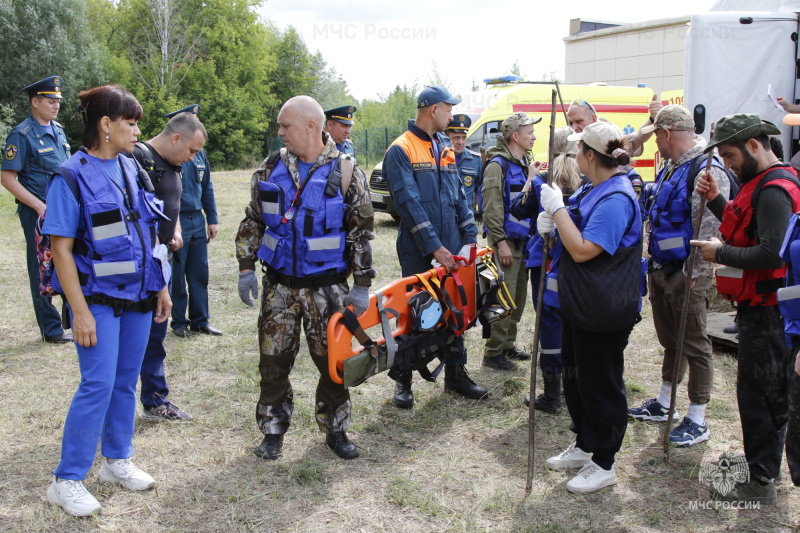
(698, 164)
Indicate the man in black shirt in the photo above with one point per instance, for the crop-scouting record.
(162, 156)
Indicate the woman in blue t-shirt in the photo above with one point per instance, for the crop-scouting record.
(102, 227)
(605, 221)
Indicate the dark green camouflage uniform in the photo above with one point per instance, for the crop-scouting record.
(283, 309)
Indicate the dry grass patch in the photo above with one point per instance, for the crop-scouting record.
(446, 465)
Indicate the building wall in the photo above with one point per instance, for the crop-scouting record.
(649, 53)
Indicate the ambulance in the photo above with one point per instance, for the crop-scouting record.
(627, 107)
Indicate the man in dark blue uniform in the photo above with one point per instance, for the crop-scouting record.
(338, 123)
(190, 268)
(34, 150)
(468, 162)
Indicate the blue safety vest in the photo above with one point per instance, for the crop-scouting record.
(671, 217)
(514, 179)
(789, 296)
(533, 248)
(305, 234)
(113, 250)
(550, 296)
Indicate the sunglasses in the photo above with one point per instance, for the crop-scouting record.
(584, 103)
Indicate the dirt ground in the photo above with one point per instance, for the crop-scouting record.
(446, 465)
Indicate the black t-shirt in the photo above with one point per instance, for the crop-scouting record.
(167, 183)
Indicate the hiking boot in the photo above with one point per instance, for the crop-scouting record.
(270, 447)
(341, 445)
(167, 411)
(733, 328)
(72, 496)
(592, 478)
(688, 433)
(516, 353)
(651, 410)
(457, 380)
(550, 400)
(498, 362)
(403, 397)
(752, 491)
(572, 457)
(127, 474)
(527, 400)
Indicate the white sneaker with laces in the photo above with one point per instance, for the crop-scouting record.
(572, 457)
(126, 473)
(592, 478)
(72, 496)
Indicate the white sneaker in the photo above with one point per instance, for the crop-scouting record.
(592, 478)
(72, 496)
(123, 471)
(572, 457)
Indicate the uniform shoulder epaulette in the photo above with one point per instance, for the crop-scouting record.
(55, 123)
(25, 127)
(473, 152)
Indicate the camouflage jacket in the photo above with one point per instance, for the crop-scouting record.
(358, 216)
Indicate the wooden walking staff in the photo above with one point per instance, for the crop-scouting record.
(538, 321)
(685, 311)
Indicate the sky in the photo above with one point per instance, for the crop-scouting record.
(376, 46)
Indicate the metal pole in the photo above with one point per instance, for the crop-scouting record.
(538, 321)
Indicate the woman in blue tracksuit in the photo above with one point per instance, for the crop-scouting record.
(605, 220)
(568, 178)
(102, 225)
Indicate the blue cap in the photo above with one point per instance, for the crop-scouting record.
(342, 114)
(434, 94)
(48, 87)
(193, 109)
(460, 123)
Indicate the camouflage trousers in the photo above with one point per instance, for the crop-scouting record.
(793, 425)
(282, 311)
(504, 332)
(761, 388)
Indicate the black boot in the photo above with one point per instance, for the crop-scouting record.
(456, 379)
(550, 401)
(403, 397)
(341, 445)
(270, 447)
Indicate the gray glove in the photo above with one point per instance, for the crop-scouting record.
(248, 285)
(358, 298)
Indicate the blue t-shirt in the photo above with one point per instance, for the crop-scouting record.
(609, 220)
(63, 209)
(303, 168)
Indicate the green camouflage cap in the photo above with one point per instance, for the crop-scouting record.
(735, 128)
(671, 117)
(515, 122)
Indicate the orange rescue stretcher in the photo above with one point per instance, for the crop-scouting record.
(388, 303)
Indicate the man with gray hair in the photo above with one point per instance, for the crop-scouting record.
(162, 156)
(674, 209)
(311, 231)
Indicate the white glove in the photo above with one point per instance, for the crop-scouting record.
(551, 198)
(545, 224)
(467, 252)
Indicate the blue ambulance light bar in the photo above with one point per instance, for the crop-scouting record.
(502, 79)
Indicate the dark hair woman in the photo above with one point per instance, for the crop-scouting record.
(599, 286)
(102, 226)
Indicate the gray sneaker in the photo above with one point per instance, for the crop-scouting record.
(167, 411)
(72, 496)
(752, 491)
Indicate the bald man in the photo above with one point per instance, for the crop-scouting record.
(308, 252)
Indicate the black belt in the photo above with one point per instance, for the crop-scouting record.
(305, 283)
(143, 306)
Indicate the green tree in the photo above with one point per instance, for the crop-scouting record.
(328, 88)
(46, 38)
(294, 72)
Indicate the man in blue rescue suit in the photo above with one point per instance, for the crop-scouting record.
(309, 222)
(751, 271)
(673, 212)
(504, 176)
(435, 220)
(34, 150)
(468, 162)
(338, 123)
(190, 268)
(162, 156)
